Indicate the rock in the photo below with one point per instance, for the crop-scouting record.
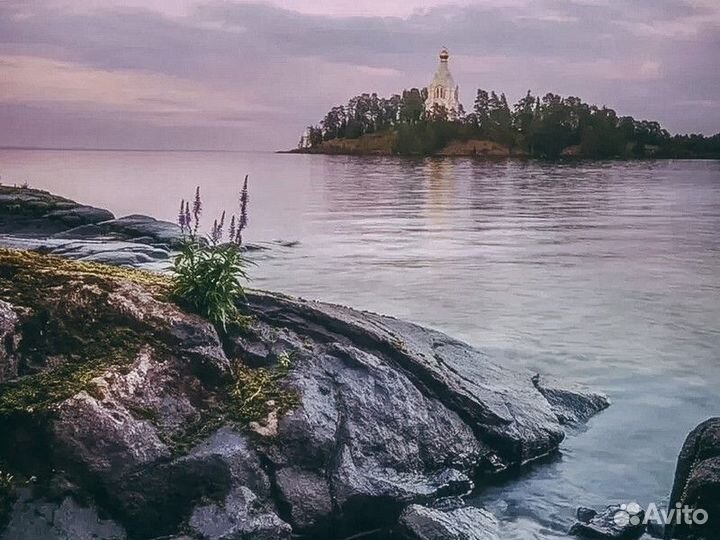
(9, 341)
(97, 249)
(38, 220)
(585, 514)
(66, 520)
(697, 482)
(104, 439)
(571, 403)
(25, 211)
(194, 338)
(239, 456)
(80, 215)
(502, 407)
(158, 392)
(136, 226)
(307, 494)
(118, 253)
(353, 416)
(616, 522)
(395, 413)
(461, 523)
(240, 516)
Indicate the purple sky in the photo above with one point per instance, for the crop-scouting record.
(249, 75)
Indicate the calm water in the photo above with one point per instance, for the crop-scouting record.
(608, 273)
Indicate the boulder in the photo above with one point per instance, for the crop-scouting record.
(240, 516)
(395, 413)
(26, 211)
(352, 417)
(455, 523)
(128, 228)
(38, 220)
(697, 482)
(80, 215)
(615, 522)
(571, 403)
(35, 519)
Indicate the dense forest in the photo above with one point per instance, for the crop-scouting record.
(549, 127)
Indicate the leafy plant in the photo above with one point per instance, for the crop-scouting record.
(207, 275)
(207, 280)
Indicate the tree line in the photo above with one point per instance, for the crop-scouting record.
(545, 127)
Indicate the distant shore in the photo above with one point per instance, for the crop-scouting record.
(384, 144)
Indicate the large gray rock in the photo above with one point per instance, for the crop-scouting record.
(697, 482)
(26, 211)
(455, 523)
(135, 227)
(40, 519)
(96, 249)
(384, 414)
(40, 221)
(571, 403)
(395, 413)
(241, 516)
(80, 215)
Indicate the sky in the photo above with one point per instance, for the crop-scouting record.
(241, 75)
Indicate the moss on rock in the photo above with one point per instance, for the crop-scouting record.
(69, 332)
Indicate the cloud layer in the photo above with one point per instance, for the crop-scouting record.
(241, 75)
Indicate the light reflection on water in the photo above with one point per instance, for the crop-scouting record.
(607, 273)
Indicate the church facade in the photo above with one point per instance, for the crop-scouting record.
(442, 90)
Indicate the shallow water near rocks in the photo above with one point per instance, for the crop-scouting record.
(607, 273)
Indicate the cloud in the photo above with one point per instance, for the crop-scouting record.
(163, 98)
(259, 71)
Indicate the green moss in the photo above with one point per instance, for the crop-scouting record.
(251, 396)
(255, 392)
(69, 333)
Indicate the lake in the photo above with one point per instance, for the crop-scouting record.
(603, 272)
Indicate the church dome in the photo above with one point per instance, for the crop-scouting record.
(442, 90)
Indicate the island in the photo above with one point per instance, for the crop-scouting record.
(432, 121)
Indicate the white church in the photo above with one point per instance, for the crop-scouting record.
(442, 90)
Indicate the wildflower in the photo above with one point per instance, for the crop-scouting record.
(197, 210)
(181, 216)
(243, 221)
(231, 232)
(188, 218)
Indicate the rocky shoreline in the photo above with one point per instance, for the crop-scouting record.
(125, 417)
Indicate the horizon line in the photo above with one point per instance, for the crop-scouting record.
(107, 149)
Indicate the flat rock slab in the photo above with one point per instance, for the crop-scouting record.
(108, 251)
(462, 523)
(128, 228)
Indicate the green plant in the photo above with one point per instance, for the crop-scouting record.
(207, 280)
